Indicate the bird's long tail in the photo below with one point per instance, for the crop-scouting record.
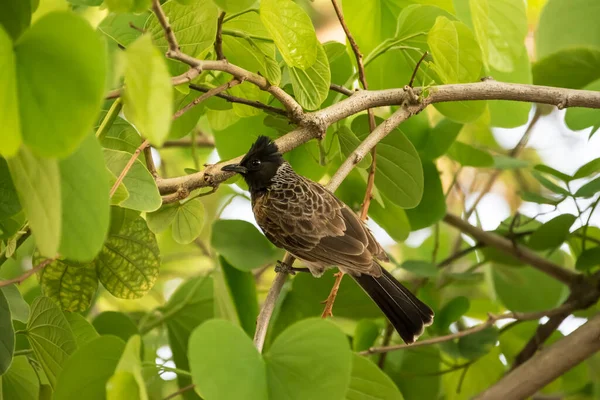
(405, 311)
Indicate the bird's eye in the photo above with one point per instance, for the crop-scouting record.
(255, 163)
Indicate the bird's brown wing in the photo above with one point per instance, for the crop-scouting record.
(310, 222)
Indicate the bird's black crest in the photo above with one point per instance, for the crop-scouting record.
(264, 149)
(262, 161)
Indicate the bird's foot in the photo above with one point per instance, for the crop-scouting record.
(280, 266)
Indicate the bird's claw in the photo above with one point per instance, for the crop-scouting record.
(282, 267)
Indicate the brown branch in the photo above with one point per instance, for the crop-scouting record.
(414, 74)
(19, 279)
(492, 319)
(522, 253)
(208, 94)
(219, 38)
(540, 336)
(547, 365)
(200, 141)
(150, 162)
(163, 21)
(187, 76)
(341, 89)
(128, 166)
(240, 100)
(182, 390)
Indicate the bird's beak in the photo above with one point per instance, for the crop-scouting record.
(235, 168)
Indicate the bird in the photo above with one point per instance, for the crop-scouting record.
(311, 223)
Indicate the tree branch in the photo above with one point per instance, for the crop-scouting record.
(522, 253)
(162, 20)
(547, 365)
(19, 279)
(492, 319)
(201, 141)
(208, 94)
(234, 99)
(128, 166)
(219, 38)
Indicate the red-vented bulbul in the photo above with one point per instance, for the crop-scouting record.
(312, 224)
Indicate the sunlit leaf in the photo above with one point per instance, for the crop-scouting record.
(311, 84)
(10, 135)
(7, 335)
(368, 382)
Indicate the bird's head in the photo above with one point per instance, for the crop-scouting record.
(259, 165)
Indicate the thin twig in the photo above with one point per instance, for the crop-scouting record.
(522, 253)
(210, 93)
(19, 279)
(184, 389)
(219, 38)
(128, 166)
(234, 99)
(414, 74)
(492, 319)
(150, 162)
(200, 141)
(163, 21)
(341, 89)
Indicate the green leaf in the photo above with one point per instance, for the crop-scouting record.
(10, 135)
(375, 20)
(511, 114)
(7, 335)
(590, 169)
(20, 382)
(84, 191)
(248, 53)
(365, 334)
(130, 363)
(49, 125)
(311, 84)
(478, 344)
(116, 324)
(392, 218)
(234, 6)
(292, 30)
(305, 297)
(143, 192)
(421, 367)
(500, 28)
(555, 173)
(539, 199)
(188, 222)
(129, 262)
(572, 68)
(552, 234)
(242, 289)
(400, 179)
(509, 163)
(38, 183)
(83, 331)
(589, 189)
(50, 337)
(467, 155)
(188, 121)
(368, 382)
(514, 285)
(121, 194)
(148, 95)
(194, 25)
(577, 22)
(420, 268)
(9, 199)
(440, 139)
(219, 350)
(548, 184)
(15, 18)
(19, 309)
(88, 370)
(349, 142)
(120, 136)
(588, 258)
(71, 284)
(302, 355)
(118, 27)
(191, 304)
(452, 312)
(432, 207)
(457, 59)
(242, 245)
